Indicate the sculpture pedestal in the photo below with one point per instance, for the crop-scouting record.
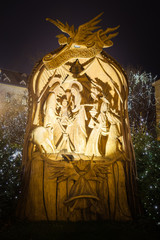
(75, 190)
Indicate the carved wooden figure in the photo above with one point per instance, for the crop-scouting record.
(78, 156)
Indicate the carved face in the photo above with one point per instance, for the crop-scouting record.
(104, 107)
(64, 102)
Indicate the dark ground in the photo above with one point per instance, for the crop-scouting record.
(143, 229)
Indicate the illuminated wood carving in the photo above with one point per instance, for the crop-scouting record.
(78, 156)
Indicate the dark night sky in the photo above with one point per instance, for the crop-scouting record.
(26, 36)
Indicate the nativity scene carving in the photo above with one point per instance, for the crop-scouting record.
(78, 157)
(77, 124)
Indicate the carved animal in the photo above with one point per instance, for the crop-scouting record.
(43, 138)
(82, 92)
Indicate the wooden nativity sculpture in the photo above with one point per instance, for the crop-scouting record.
(78, 157)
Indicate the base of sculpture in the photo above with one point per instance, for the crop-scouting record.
(75, 189)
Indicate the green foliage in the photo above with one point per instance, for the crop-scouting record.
(147, 151)
(13, 124)
(12, 128)
(10, 175)
(142, 114)
(141, 100)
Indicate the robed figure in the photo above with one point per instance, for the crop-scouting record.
(78, 157)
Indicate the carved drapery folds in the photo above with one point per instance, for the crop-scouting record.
(78, 156)
(79, 115)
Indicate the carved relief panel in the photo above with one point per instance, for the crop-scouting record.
(78, 156)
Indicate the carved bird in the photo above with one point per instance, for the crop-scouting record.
(85, 34)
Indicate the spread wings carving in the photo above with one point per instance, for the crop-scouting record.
(63, 27)
(85, 32)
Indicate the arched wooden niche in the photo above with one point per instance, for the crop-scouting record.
(78, 156)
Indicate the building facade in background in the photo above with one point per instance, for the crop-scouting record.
(13, 91)
(13, 105)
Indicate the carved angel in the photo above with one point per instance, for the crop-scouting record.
(83, 176)
(85, 34)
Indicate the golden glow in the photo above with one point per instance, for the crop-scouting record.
(77, 146)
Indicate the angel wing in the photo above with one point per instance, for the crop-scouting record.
(62, 170)
(85, 30)
(63, 27)
(107, 35)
